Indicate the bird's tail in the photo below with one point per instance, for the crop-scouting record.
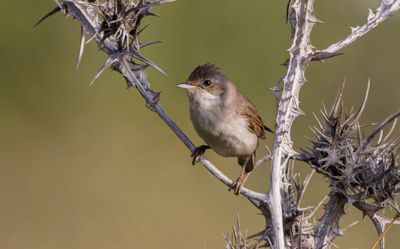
(268, 129)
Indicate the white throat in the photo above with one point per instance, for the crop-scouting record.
(201, 99)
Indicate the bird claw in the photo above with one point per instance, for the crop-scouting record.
(199, 151)
(236, 186)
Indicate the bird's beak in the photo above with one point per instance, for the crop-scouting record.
(185, 85)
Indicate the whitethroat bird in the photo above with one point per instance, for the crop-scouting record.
(226, 120)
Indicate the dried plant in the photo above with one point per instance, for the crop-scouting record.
(237, 240)
(362, 169)
(359, 167)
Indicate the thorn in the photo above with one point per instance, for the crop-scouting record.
(324, 115)
(371, 15)
(166, 1)
(58, 3)
(321, 55)
(354, 29)
(52, 12)
(148, 13)
(361, 110)
(314, 19)
(380, 137)
(110, 60)
(142, 29)
(286, 63)
(92, 37)
(382, 125)
(306, 182)
(390, 131)
(338, 100)
(319, 123)
(288, 10)
(145, 44)
(82, 48)
(135, 55)
(318, 206)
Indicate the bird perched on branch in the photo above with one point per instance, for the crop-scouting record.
(226, 120)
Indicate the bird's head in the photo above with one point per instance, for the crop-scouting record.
(206, 81)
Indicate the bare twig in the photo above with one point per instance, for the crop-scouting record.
(386, 9)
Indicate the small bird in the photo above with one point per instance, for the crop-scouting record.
(226, 120)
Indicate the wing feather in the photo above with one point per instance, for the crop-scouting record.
(248, 110)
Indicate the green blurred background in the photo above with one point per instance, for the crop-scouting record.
(90, 167)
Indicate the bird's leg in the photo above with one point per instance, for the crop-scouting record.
(199, 151)
(239, 181)
(237, 185)
(246, 176)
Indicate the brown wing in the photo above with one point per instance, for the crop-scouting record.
(256, 124)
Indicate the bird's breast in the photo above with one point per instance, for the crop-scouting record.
(226, 132)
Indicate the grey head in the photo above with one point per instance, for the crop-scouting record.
(207, 78)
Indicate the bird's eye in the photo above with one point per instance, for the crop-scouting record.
(207, 82)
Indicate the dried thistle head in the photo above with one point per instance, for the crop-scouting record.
(115, 25)
(121, 20)
(363, 168)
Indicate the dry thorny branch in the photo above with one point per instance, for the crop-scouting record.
(362, 169)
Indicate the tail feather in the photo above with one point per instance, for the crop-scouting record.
(268, 129)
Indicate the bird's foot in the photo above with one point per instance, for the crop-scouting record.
(199, 151)
(237, 186)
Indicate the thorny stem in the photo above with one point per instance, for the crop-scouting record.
(302, 20)
(288, 109)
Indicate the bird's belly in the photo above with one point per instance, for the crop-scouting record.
(227, 135)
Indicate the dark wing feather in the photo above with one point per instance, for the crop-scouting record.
(248, 110)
